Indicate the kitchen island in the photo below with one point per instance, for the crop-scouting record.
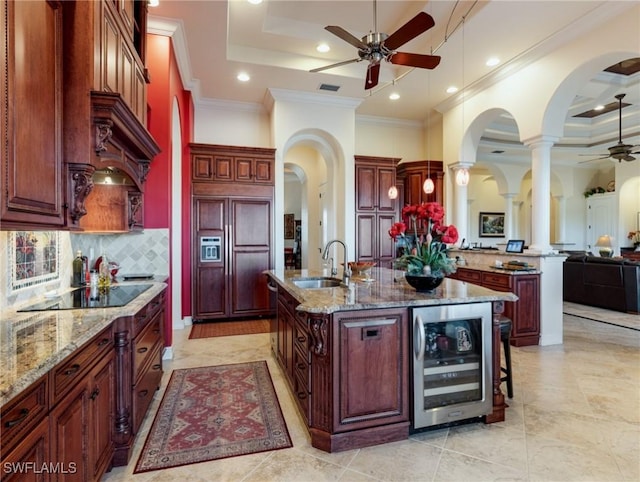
(346, 352)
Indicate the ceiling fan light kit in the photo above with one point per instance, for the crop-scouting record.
(378, 46)
(620, 151)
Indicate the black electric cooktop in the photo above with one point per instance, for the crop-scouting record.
(117, 295)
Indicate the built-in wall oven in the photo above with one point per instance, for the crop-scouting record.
(452, 369)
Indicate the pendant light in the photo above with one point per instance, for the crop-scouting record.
(462, 173)
(428, 186)
(393, 192)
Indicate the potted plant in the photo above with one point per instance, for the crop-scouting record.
(424, 257)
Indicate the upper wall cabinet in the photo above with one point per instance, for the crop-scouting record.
(105, 112)
(213, 163)
(74, 109)
(413, 174)
(31, 115)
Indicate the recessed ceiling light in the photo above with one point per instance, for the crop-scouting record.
(323, 48)
(394, 96)
(598, 107)
(452, 90)
(255, 2)
(492, 61)
(243, 77)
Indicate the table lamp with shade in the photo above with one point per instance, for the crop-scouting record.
(605, 243)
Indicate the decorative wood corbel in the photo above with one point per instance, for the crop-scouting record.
(103, 134)
(318, 323)
(81, 185)
(135, 204)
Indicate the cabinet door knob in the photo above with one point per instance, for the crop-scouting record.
(142, 350)
(95, 394)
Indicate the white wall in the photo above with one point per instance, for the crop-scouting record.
(231, 124)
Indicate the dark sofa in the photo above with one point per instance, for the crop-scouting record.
(611, 283)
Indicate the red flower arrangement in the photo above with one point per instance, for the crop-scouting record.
(428, 253)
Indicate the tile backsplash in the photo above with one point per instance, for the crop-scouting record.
(144, 252)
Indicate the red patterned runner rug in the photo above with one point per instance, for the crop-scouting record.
(211, 413)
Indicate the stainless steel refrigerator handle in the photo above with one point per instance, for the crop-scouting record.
(418, 331)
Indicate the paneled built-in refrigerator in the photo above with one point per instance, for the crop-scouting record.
(232, 247)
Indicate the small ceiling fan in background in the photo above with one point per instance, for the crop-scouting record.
(620, 151)
(377, 46)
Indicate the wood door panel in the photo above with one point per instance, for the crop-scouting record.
(250, 292)
(365, 188)
(386, 245)
(386, 179)
(365, 232)
(251, 223)
(210, 215)
(31, 133)
(372, 382)
(210, 291)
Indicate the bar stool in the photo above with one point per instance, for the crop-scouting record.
(505, 336)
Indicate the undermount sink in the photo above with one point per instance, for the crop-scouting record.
(316, 283)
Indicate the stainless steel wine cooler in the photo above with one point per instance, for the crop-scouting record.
(452, 367)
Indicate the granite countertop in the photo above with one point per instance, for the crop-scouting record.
(387, 290)
(32, 343)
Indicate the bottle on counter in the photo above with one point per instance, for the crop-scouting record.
(78, 270)
(104, 277)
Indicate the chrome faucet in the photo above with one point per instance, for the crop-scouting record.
(346, 273)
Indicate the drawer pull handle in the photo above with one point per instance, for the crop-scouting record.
(302, 395)
(156, 332)
(157, 366)
(73, 370)
(143, 349)
(143, 393)
(23, 414)
(302, 339)
(103, 342)
(95, 394)
(301, 366)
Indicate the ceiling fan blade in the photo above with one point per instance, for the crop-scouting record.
(629, 158)
(415, 60)
(373, 74)
(410, 30)
(596, 159)
(604, 156)
(346, 36)
(326, 67)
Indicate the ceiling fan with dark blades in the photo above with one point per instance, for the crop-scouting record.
(377, 46)
(620, 151)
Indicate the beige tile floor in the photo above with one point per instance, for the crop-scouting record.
(575, 416)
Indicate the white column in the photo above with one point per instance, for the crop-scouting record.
(517, 207)
(561, 221)
(541, 189)
(508, 216)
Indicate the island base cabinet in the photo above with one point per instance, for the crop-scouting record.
(359, 379)
(32, 451)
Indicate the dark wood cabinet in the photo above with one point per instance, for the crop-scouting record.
(375, 211)
(524, 313)
(348, 372)
(413, 174)
(371, 350)
(31, 83)
(32, 449)
(211, 162)
(73, 83)
(232, 198)
(139, 340)
(82, 420)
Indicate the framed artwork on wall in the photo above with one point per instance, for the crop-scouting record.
(491, 225)
(289, 226)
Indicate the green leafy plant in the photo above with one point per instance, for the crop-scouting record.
(594, 190)
(426, 253)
